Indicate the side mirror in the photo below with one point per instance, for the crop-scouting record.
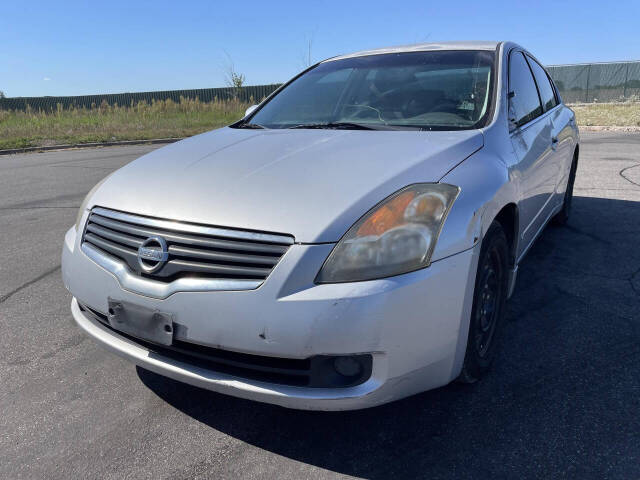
(250, 110)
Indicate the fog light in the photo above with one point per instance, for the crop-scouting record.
(347, 366)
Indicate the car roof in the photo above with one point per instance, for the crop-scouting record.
(423, 47)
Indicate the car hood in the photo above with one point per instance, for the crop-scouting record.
(312, 184)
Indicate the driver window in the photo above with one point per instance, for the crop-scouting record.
(524, 102)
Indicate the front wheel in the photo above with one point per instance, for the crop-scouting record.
(489, 298)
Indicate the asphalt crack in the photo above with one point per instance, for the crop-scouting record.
(587, 234)
(37, 206)
(6, 296)
(82, 166)
(621, 173)
(57, 198)
(632, 279)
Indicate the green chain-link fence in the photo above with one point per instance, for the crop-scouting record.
(583, 83)
(597, 82)
(245, 94)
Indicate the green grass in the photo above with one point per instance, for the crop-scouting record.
(161, 119)
(165, 119)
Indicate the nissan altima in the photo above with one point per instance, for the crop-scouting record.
(351, 241)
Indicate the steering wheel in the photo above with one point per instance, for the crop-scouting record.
(367, 108)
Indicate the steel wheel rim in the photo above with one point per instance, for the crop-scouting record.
(489, 301)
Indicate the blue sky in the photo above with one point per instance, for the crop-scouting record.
(76, 48)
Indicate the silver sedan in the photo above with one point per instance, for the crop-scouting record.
(351, 241)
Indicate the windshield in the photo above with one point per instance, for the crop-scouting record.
(433, 90)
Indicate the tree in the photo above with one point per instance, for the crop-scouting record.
(232, 77)
(2, 95)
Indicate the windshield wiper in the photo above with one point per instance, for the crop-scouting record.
(335, 125)
(429, 128)
(251, 125)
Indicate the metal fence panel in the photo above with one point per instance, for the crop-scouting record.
(633, 81)
(571, 80)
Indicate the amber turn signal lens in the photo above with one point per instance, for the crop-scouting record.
(389, 215)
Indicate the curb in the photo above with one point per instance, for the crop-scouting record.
(608, 128)
(89, 145)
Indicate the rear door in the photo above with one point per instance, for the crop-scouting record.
(531, 133)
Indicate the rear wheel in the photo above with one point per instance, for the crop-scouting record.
(489, 298)
(562, 217)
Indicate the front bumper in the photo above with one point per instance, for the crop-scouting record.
(414, 325)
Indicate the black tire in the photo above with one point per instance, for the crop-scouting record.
(562, 217)
(489, 299)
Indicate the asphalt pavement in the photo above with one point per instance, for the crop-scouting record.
(563, 400)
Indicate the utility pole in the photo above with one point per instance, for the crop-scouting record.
(586, 97)
(626, 79)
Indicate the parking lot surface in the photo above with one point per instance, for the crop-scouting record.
(562, 401)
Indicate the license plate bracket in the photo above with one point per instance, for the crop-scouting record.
(141, 322)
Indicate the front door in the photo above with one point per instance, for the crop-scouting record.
(531, 137)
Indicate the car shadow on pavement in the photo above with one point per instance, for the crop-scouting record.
(562, 397)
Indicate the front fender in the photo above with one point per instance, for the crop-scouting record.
(485, 188)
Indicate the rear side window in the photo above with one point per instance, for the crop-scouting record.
(544, 86)
(524, 102)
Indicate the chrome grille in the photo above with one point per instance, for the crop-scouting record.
(193, 250)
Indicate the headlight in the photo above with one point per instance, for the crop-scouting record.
(396, 236)
(85, 202)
